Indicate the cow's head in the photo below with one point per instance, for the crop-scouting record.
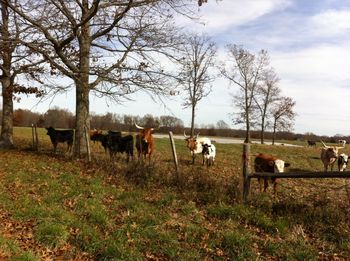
(145, 133)
(331, 152)
(206, 148)
(343, 161)
(50, 130)
(95, 134)
(279, 165)
(191, 141)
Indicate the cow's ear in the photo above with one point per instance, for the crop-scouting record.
(286, 164)
(271, 163)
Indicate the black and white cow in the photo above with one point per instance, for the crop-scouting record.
(209, 153)
(342, 161)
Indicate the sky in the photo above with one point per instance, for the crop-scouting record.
(308, 42)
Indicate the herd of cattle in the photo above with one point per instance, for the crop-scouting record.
(114, 142)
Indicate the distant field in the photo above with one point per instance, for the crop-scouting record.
(52, 206)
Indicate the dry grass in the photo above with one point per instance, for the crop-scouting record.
(105, 210)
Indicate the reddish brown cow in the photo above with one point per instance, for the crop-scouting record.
(329, 155)
(144, 142)
(267, 163)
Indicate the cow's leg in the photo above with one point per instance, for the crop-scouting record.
(266, 184)
(260, 184)
(54, 147)
(274, 181)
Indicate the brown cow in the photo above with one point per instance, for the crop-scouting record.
(329, 155)
(267, 163)
(195, 144)
(144, 142)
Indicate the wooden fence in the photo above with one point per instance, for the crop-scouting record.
(247, 175)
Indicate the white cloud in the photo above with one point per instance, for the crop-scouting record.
(331, 22)
(315, 79)
(219, 16)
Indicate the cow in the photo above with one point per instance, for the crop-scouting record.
(144, 142)
(209, 153)
(342, 161)
(342, 142)
(268, 163)
(195, 144)
(329, 155)
(96, 135)
(311, 143)
(119, 144)
(58, 136)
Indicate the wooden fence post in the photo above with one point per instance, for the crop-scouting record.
(246, 167)
(36, 138)
(174, 152)
(33, 143)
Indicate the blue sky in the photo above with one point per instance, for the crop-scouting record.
(309, 45)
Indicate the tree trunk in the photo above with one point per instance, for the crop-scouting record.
(274, 133)
(247, 121)
(6, 139)
(247, 133)
(262, 134)
(82, 120)
(192, 119)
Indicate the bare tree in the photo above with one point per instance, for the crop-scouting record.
(170, 121)
(244, 70)
(221, 124)
(109, 48)
(15, 60)
(195, 76)
(267, 93)
(283, 115)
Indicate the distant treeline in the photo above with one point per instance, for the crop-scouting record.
(60, 118)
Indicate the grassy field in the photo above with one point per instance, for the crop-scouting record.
(56, 208)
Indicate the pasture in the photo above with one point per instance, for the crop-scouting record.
(54, 207)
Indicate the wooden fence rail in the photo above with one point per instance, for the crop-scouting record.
(247, 175)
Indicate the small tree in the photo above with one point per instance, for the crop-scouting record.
(221, 124)
(198, 58)
(267, 93)
(244, 70)
(283, 115)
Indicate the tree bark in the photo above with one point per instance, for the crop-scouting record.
(82, 90)
(192, 120)
(262, 134)
(6, 139)
(274, 133)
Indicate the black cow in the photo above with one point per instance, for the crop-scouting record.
(57, 136)
(311, 143)
(119, 144)
(99, 136)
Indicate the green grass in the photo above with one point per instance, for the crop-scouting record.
(107, 210)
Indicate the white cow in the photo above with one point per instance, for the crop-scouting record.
(195, 144)
(209, 153)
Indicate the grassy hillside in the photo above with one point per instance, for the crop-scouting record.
(54, 207)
